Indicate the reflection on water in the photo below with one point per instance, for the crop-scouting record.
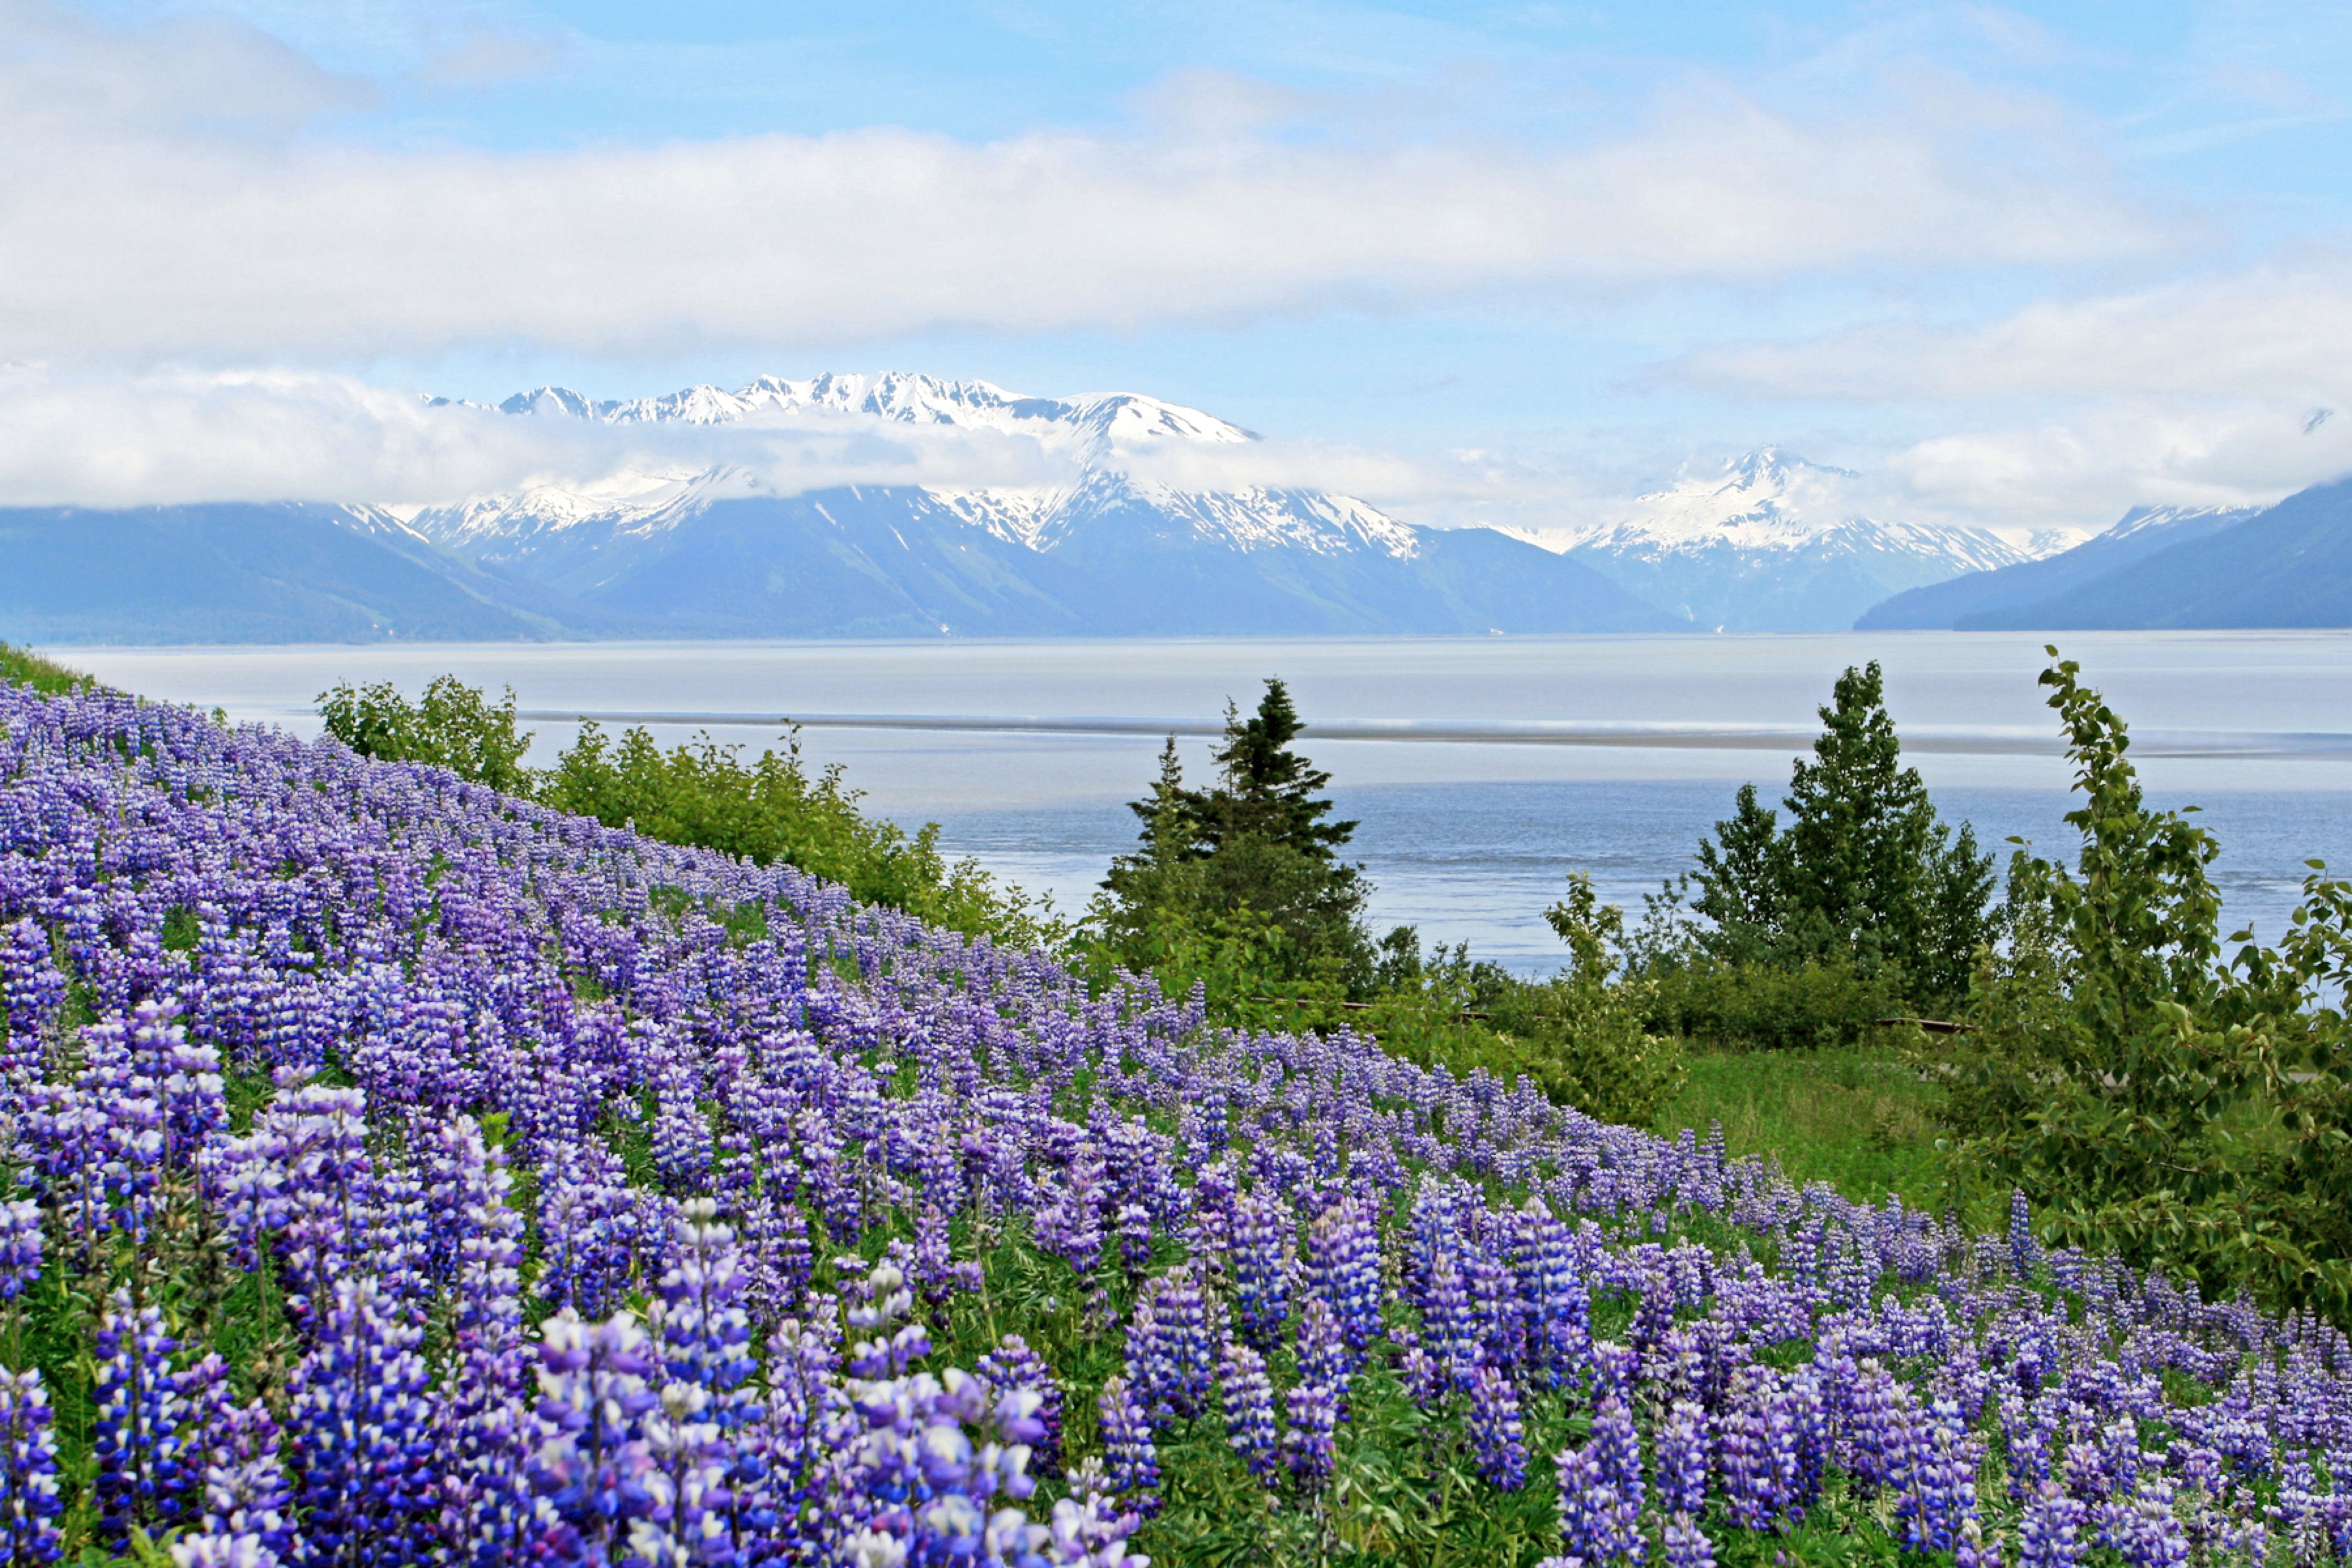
(1482, 769)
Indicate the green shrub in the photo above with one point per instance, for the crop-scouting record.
(2150, 1100)
(22, 666)
(773, 810)
(451, 726)
(1762, 1006)
(1579, 1036)
(704, 794)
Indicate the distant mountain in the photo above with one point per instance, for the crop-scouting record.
(1772, 543)
(1105, 553)
(2288, 565)
(244, 573)
(2142, 532)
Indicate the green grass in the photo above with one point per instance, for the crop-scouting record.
(22, 666)
(1846, 1115)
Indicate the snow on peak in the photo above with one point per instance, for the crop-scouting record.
(1773, 502)
(2147, 519)
(1094, 435)
(1099, 421)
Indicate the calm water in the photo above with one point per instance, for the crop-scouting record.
(1482, 769)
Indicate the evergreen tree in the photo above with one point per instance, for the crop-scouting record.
(1257, 846)
(1267, 791)
(1865, 872)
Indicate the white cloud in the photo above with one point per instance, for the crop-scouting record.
(179, 437)
(2282, 331)
(2115, 454)
(133, 229)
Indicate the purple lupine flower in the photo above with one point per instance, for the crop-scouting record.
(1248, 1399)
(142, 1473)
(1880, 1416)
(1128, 1448)
(588, 1226)
(1070, 1228)
(210, 1550)
(1552, 1294)
(1322, 1349)
(185, 1077)
(316, 1136)
(2025, 1251)
(705, 1337)
(1171, 1355)
(1598, 1522)
(1619, 1449)
(1450, 1328)
(1802, 1406)
(873, 1301)
(1263, 1246)
(29, 1504)
(1613, 1368)
(246, 1492)
(21, 1242)
(591, 1466)
(791, 1451)
(1972, 1549)
(1498, 1434)
(1134, 1238)
(920, 1489)
(1935, 1485)
(705, 1333)
(31, 987)
(361, 1424)
(2150, 1535)
(1310, 1447)
(1756, 1447)
(1014, 1365)
(1088, 1528)
(1343, 1267)
(1683, 1461)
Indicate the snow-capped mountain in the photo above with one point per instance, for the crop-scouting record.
(1092, 438)
(1101, 540)
(1771, 543)
(2017, 595)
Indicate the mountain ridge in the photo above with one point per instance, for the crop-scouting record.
(2141, 532)
(1771, 541)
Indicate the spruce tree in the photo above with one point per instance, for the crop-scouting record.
(1259, 846)
(1865, 872)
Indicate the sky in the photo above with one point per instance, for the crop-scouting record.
(2020, 265)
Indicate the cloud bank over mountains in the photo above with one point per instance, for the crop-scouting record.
(286, 240)
(226, 260)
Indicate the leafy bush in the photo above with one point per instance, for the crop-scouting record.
(451, 726)
(2159, 1104)
(1763, 1006)
(22, 666)
(704, 794)
(1579, 1036)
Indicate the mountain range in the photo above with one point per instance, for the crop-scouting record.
(2285, 565)
(1772, 543)
(1092, 538)
(1103, 550)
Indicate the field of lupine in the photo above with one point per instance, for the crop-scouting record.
(405, 1174)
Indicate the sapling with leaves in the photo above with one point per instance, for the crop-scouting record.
(2157, 1102)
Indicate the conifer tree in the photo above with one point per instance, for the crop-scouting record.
(1258, 845)
(1865, 872)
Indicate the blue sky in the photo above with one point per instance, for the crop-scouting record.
(2031, 263)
